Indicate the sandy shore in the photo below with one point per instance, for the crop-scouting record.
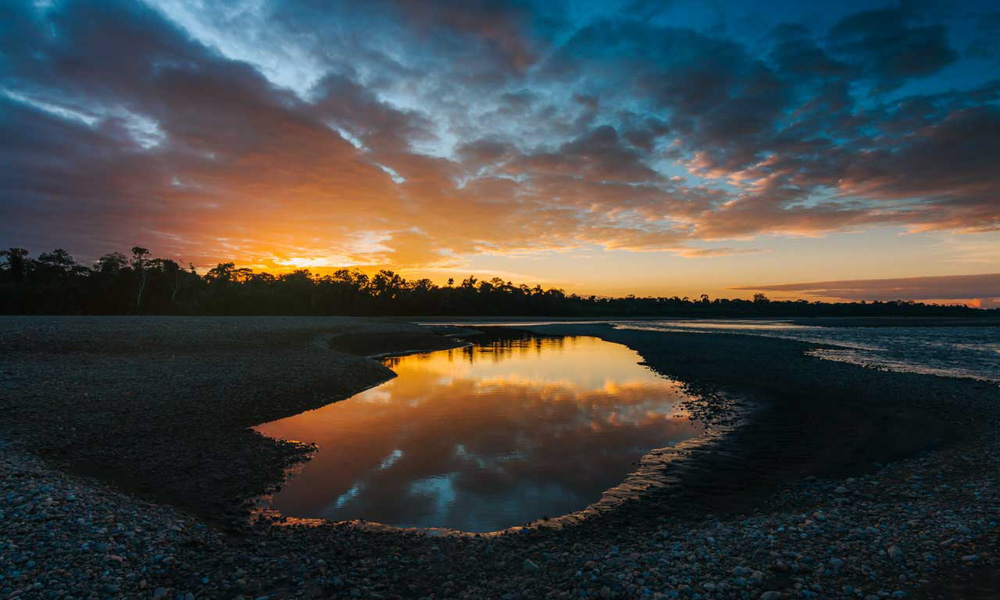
(847, 482)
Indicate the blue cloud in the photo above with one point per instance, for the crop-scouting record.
(560, 125)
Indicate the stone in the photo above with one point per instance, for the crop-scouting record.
(895, 553)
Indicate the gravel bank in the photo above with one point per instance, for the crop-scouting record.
(922, 525)
(812, 416)
(922, 528)
(162, 405)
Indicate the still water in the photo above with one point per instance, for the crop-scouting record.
(507, 431)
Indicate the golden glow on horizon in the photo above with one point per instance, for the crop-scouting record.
(542, 153)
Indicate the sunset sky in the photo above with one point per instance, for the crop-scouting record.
(671, 147)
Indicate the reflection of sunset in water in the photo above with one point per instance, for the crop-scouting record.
(485, 437)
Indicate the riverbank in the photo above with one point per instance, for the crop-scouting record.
(812, 416)
(742, 520)
(921, 528)
(162, 406)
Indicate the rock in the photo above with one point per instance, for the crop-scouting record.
(895, 553)
(772, 595)
(529, 565)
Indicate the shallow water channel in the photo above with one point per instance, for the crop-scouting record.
(509, 430)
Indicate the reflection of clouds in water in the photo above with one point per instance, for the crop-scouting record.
(346, 496)
(374, 396)
(473, 454)
(440, 490)
(356, 488)
(391, 459)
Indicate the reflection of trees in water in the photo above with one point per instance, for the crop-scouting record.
(494, 346)
(497, 346)
(392, 361)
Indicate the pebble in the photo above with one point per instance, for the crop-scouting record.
(885, 539)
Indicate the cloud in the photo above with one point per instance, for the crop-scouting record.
(983, 288)
(890, 46)
(293, 130)
(949, 166)
(986, 43)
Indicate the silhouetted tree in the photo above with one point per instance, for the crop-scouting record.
(55, 284)
(58, 260)
(140, 262)
(221, 273)
(111, 263)
(15, 263)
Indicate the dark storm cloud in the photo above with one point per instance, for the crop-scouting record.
(504, 27)
(891, 45)
(393, 129)
(796, 52)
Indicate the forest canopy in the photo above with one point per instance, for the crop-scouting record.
(119, 284)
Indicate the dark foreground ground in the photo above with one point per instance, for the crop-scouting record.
(842, 482)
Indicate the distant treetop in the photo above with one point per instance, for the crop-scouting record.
(54, 283)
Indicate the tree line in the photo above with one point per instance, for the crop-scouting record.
(118, 284)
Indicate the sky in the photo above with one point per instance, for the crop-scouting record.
(842, 150)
